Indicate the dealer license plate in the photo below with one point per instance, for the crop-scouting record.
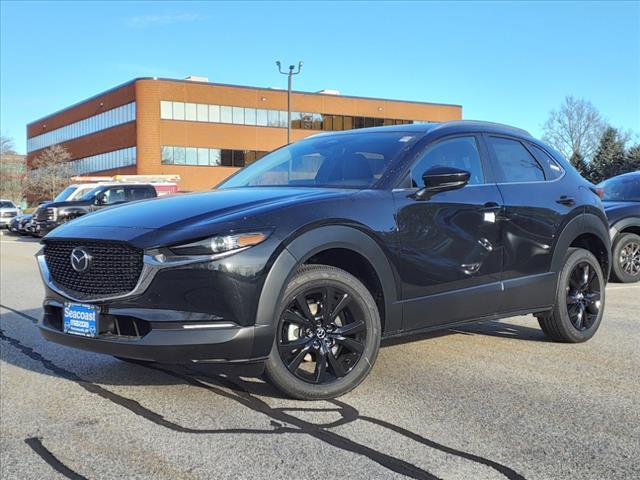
(80, 319)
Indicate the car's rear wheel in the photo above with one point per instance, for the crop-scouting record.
(626, 258)
(327, 336)
(579, 304)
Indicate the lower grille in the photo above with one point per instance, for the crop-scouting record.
(113, 268)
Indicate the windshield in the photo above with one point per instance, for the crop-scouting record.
(80, 192)
(6, 204)
(64, 194)
(356, 160)
(622, 189)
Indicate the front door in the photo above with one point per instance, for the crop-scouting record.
(451, 248)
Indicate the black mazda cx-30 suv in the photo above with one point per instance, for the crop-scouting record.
(301, 262)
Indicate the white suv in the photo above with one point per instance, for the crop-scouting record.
(8, 211)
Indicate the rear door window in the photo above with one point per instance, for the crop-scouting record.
(139, 193)
(514, 163)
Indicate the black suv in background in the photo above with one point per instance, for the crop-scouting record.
(301, 262)
(53, 214)
(621, 200)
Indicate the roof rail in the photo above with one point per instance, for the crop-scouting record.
(522, 131)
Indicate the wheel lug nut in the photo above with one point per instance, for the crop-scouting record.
(316, 345)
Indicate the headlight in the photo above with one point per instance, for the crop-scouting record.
(221, 244)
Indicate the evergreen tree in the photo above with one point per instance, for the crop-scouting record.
(579, 164)
(609, 159)
(632, 159)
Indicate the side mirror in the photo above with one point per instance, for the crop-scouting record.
(100, 199)
(441, 179)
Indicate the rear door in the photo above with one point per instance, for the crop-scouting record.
(536, 203)
(451, 256)
(140, 193)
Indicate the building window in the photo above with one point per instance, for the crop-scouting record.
(214, 113)
(180, 155)
(238, 115)
(174, 155)
(192, 156)
(166, 110)
(258, 117)
(226, 115)
(261, 117)
(249, 116)
(214, 157)
(202, 113)
(203, 156)
(190, 112)
(178, 111)
(167, 155)
(102, 121)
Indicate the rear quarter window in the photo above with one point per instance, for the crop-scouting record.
(553, 170)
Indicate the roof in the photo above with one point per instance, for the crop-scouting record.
(454, 126)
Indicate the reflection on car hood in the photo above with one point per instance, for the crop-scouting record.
(178, 211)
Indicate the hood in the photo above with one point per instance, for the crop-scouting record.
(198, 212)
(72, 203)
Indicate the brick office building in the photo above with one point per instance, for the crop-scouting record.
(204, 131)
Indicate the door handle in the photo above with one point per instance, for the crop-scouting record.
(490, 207)
(568, 201)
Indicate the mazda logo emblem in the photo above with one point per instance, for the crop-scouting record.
(80, 259)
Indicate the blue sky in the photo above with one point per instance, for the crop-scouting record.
(505, 62)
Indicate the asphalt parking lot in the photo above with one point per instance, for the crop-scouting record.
(492, 400)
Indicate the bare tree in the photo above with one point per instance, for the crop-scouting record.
(6, 145)
(50, 173)
(12, 170)
(576, 128)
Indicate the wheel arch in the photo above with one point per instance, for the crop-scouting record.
(625, 225)
(584, 231)
(312, 245)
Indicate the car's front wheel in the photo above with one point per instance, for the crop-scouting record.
(626, 258)
(579, 304)
(327, 335)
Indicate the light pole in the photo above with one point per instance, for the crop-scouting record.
(289, 75)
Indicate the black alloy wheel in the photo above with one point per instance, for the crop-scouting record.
(583, 296)
(321, 335)
(580, 298)
(327, 334)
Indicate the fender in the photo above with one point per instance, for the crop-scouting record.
(622, 224)
(585, 223)
(301, 248)
(66, 212)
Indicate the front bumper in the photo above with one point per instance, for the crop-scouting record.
(184, 313)
(163, 341)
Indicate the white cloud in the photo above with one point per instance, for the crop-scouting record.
(157, 19)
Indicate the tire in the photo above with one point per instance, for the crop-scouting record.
(626, 258)
(580, 299)
(328, 348)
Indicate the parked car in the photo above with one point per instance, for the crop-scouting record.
(301, 262)
(17, 223)
(50, 215)
(621, 200)
(8, 211)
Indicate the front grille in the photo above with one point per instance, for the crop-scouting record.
(114, 268)
(40, 214)
(9, 214)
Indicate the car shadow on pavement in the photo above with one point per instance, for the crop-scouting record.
(490, 328)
